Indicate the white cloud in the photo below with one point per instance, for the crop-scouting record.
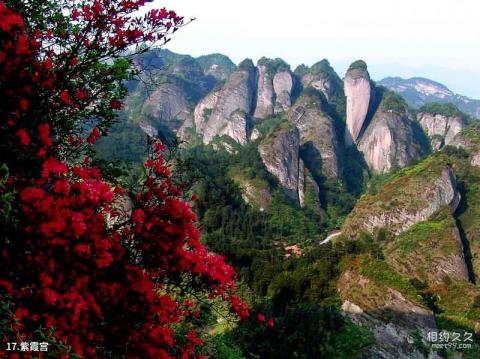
(438, 33)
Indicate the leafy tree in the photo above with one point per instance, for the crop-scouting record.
(97, 270)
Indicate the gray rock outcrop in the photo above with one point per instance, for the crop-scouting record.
(421, 200)
(393, 338)
(280, 154)
(358, 92)
(320, 149)
(265, 93)
(274, 88)
(469, 139)
(440, 129)
(389, 142)
(225, 111)
(283, 86)
(167, 107)
(322, 77)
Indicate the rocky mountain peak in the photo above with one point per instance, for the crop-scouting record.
(226, 110)
(319, 144)
(322, 77)
(217, 65)
(274, 87)
(358, 91)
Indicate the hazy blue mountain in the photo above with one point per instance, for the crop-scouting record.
(418, 90)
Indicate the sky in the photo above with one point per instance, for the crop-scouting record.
(438, 39)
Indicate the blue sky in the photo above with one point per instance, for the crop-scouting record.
(439, 39)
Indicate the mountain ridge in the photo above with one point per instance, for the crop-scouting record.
(418, 91)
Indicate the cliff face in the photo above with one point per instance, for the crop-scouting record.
(412, 197)
(166, 108)
(430, 251)
(440, 129)
(392, 315)
(358, 92)
(274, 88)
(389, 142)
(469, 139)
(280, 154)
(319, 145)
(265, 93)
(322, 77)
(283, 86)
(226, 110)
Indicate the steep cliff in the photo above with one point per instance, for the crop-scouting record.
(392, 139)
(226, 110)
(280, 154)
(322, 77)
(320, 149)
(441, 129)
(374, 296)
(283, 87)
(430, 251)
(469, 139)
(166, 108)
(265, 94)
(358, 91)
(274, 87)
(412, 196)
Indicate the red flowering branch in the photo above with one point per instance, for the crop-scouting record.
(102, 286)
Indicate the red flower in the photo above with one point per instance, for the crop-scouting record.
(53, 166)
(73, 62)
(270, 323)
(47, 64)
(261, 318)
(115, 104)
(44, 134)
(138, 216)
(94, 135)
(65, 98)
(23, 136)
(81, 95)
(75, 14)
(23, 104)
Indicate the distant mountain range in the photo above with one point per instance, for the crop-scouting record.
(418, 91)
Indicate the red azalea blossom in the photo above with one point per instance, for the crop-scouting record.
(81, 95)
(115, 104)
(44, 134)
(23, 136)
(96, 280)
(94, 135)
(65, 98)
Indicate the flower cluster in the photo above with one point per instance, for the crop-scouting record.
(106, 287)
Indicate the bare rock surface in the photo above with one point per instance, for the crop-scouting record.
(280, 154)
(225, 111)
(389, 142)
(320, 147)
(358, 91)
(440, 129)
